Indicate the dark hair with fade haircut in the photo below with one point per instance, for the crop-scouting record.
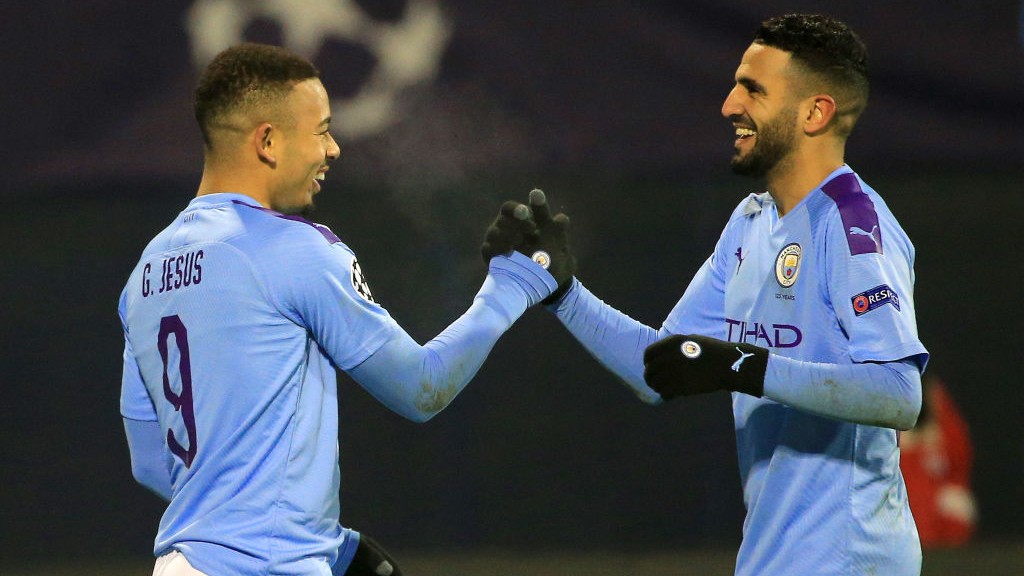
(829, 50)
(244, 78)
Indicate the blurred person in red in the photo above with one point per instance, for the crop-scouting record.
(936, 457)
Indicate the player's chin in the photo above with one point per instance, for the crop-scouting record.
(307, 207)
(310, 203)
(737, 161)
(307, 210)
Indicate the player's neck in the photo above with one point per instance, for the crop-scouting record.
(798, 176)
(218, 178)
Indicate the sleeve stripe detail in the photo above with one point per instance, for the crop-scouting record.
(860, 221)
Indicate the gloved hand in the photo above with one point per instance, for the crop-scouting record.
(691, 364)
(536, 234)
(508, 230)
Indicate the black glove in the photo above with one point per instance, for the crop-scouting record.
(550, 246)
(691, 364)
(371, 560)
(542, 238)
(507, 231)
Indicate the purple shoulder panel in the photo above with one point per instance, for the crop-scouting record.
(860, 221)
(323, 230)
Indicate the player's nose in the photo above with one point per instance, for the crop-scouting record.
(731, 106)
(333, 149)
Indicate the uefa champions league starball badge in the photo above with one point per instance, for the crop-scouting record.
(787, 265)
(359, 283)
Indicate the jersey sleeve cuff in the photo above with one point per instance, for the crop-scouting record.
(537, 282)
(909, 350)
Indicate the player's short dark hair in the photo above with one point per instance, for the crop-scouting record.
(829, 51)
(246, 77)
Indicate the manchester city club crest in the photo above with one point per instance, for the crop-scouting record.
(787, 265)
(543, 258)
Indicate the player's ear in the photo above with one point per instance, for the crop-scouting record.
(262, 140)
(818, 113)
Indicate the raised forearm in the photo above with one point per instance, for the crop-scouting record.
(613, 338)
(420, 381)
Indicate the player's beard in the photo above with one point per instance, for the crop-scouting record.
(303, 210)
(296, 205)
(775, 140)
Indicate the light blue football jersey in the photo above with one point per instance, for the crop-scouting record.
(232, 339)
(830, 282)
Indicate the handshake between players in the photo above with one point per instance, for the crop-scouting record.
(679, 365)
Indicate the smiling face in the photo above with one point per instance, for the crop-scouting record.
(763, 111)
(303, 148)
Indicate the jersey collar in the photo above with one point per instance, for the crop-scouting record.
(223, 198)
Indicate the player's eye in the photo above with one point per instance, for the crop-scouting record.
(752, 88)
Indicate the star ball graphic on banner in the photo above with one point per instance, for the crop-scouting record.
(407, 51)
(359, 283)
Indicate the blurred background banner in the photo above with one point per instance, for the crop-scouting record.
(443, 109)
(428, 91)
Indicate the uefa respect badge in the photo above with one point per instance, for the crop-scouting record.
(876, 297)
